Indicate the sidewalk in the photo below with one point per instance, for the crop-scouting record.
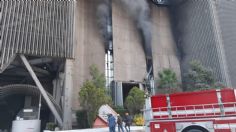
(132, 128)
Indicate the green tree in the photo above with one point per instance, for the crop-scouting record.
(98, 78)
(167, 81)
(134, 102)
(199, 77)
(93, 94)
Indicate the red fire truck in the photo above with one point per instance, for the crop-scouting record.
(202, 111)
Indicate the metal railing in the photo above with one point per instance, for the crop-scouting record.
(194, 111)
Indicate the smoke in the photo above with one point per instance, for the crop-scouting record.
(139, 11)
(104, 20)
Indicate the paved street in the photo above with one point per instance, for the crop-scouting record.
(133, 129)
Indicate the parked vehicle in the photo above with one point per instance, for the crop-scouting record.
(202, 111)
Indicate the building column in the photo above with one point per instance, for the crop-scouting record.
(68, 87)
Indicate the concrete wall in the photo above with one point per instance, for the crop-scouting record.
(163, 44)
(129, 58)
(129, 55)
(89, 45)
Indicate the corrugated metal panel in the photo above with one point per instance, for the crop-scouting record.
(198, 36)
(226, 10)
(38, 28)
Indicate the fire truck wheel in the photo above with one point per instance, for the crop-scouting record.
(195, 129)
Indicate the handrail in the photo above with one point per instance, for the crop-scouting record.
(201, 110)
(195, 105)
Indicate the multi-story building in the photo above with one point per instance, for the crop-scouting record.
(205, 31)
(129, 42)
(36, 45)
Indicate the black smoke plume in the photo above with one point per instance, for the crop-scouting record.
(140, 12)
(104, 21)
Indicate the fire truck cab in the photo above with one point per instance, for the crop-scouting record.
(202, 111)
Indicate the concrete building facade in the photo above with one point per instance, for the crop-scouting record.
(205, 32)
(128, 53)
(196, 34)
(225, 11)
(60, 40)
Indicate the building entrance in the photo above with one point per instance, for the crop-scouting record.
(121, 90)
(126, 89)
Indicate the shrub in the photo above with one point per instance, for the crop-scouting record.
(91, 99)
(134, 102)
(50, 126)
(167, 81)
(93, 94)
(139, 120)
(199, 77)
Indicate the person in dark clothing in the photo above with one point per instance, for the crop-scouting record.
(127, 121)
(111, 123)
(120, 123)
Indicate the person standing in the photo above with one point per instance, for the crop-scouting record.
(111, 123)
(120, 123)
(127, 121)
